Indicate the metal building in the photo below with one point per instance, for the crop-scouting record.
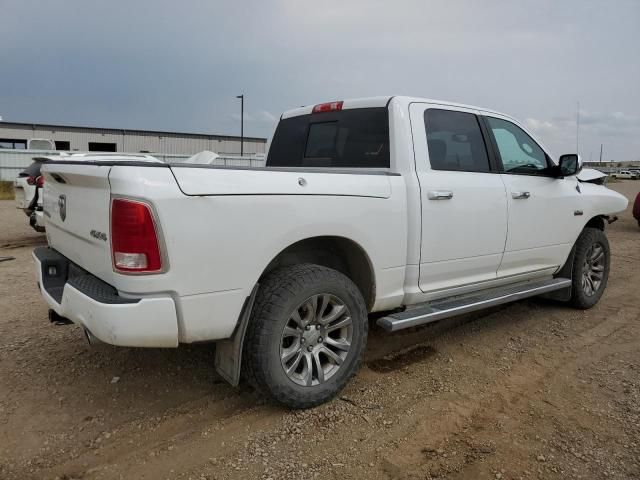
(89, 139)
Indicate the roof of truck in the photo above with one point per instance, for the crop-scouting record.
(369, 102)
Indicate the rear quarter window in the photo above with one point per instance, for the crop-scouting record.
(352, 138)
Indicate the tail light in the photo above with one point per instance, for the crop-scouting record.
(134, 239)
(40, 181)
(31, 180)
(327, 107)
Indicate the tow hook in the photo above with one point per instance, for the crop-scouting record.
(58, 319)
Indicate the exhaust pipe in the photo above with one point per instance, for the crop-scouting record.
(91, 338)
(58, 319)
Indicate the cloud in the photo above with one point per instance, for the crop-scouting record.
(267, 116)
(539, 125)
(261, 116)
(179, 65)
(609, 128)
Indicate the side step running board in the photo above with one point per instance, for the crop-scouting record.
(450, 307)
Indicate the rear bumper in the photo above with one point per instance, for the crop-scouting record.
(96, 306)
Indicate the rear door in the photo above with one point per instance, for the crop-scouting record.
(545, 212)
(464, 205)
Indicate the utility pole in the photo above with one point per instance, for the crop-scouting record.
(241, 97)
(600, 154)
(578, 129)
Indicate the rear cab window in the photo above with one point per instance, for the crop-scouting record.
(350, 138)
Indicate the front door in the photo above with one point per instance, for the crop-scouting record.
(463, 199)
(545, 215)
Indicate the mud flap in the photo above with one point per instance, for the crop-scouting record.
(566, 271)
(228, 360)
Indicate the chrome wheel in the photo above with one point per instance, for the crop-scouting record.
(316, 340)
(593, 269)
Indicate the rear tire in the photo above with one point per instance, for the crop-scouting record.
(591, 265)
(306, 336)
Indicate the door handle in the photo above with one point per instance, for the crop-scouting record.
(520, 195)
(439, 194)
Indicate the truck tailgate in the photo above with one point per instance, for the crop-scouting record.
(76, 209)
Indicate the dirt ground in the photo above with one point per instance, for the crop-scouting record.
(531, 390)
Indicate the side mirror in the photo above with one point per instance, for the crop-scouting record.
(569, 164)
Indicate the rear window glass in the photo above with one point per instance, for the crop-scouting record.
(357, 138)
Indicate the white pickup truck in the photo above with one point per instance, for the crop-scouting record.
(418, 208)
(626, 174)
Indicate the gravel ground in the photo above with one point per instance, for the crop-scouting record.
(531, 390)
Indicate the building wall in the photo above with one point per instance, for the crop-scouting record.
(134, 141)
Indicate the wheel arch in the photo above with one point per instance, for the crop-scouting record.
(596, 222)
(339, 253)
(566, 271)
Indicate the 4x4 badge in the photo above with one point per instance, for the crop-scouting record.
(62, 207)
(99, 235)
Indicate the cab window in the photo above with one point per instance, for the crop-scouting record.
(518, 151)
(455, 141)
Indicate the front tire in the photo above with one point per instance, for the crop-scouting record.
(306, 336)
(591, 265)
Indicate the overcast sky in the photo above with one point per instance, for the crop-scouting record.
(178, 65)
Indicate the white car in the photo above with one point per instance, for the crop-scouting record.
(626, 174)
(418, 208)
(28, 193)
(28, 187)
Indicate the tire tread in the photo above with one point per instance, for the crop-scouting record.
(274, 292)
(587, 238)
